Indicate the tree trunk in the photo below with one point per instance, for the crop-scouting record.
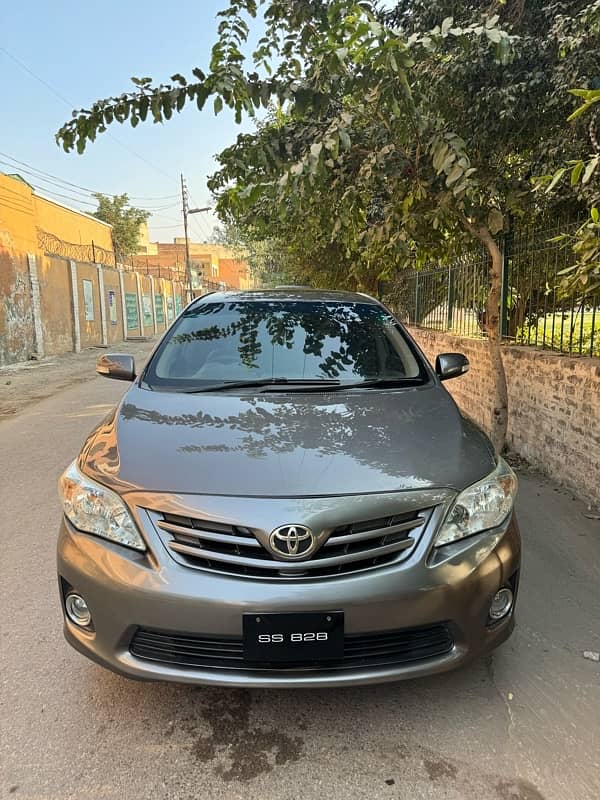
(499, 421)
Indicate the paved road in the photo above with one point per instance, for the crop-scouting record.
(524, 725)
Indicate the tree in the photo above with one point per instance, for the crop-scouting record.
(125, 220)
(267, 257)
(395, 137)
(583, 276)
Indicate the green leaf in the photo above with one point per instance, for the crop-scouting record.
(446, 25)
(454, 174)
(595, 214)
(344, 139)
(589, 170)
(576, 172)
(494, 35)
(555, 179)
(218, 104)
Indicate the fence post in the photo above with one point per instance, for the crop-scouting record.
(417, 299)
(75, 306)
(504, 291)
(450, 297)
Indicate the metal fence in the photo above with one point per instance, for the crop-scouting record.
(533, 311)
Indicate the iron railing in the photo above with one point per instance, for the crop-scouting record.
(533, 310)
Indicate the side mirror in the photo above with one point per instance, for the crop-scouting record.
(451, 365)
(116, 365)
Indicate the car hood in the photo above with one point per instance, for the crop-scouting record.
(287, 445)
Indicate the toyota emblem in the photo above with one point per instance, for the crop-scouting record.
(292, 542)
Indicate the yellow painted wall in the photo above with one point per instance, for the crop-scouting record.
(114, 330)
(21, 212)
(90, 329)
(54, 275)
(17, 214)
(17, 238)
(71, 226)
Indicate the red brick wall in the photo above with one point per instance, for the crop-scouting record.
(554, 405)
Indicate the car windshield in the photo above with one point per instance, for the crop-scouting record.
(217, 342)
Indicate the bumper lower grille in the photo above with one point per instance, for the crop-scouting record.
(360, 651)
(237, 550)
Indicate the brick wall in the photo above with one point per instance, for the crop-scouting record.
(554, 405)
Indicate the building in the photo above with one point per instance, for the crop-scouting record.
(212, 265)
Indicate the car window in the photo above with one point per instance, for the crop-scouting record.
(232, 341)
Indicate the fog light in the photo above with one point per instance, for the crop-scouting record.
(77, 610)
(501, 604)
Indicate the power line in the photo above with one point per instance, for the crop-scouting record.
(48, 175)
(201, 232)
(77, 200)
(205, 232)
(152, 209)
(71, 105)
(69, 197)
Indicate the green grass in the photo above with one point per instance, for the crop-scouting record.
(568, 334)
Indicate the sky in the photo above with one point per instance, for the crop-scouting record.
(59, 55)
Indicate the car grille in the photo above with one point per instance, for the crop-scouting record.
(235, 550)
(360, 651)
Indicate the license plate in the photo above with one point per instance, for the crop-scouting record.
(310, 636)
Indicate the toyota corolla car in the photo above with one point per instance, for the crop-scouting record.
(287, 495)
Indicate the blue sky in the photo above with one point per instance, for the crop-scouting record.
(89, 50)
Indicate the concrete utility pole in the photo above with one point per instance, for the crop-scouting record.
(188, 265)
(186, 211)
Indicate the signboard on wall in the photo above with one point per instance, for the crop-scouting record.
(88, 300)
(147, 306)
(112, 306)
(160, 309)
(131, 310)
(170, 312)
(177, 304)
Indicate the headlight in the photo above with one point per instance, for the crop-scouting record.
(93, 508)
(482, 506)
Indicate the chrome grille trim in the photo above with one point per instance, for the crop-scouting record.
(211, 536)
(290, 567)
(388, 530)
(234, 549)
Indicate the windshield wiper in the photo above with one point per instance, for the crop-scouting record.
(374, 383)
(385, 383)
(304, 382)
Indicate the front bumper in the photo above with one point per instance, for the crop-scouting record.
(127, 591)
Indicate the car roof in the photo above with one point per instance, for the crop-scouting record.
(290, 293)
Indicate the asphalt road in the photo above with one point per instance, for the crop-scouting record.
(523, 725)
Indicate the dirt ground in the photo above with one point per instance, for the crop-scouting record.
(31, 381)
